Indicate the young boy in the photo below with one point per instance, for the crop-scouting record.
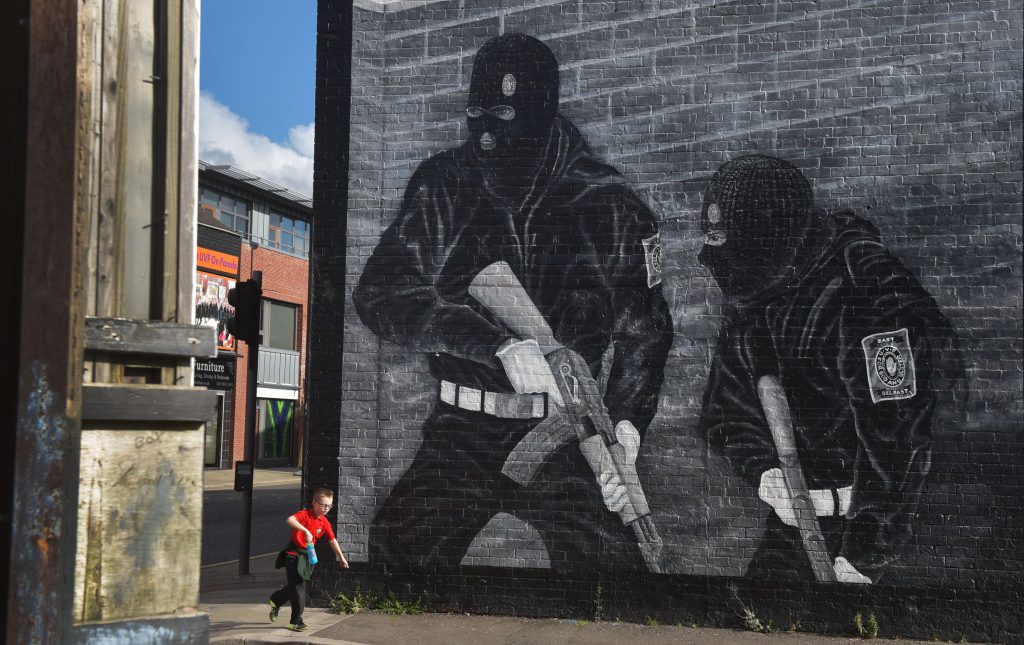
(307, 526)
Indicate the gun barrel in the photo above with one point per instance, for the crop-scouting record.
(780, 421)
(498, 289)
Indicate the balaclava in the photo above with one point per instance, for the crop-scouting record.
(513, 102)
(763, 205)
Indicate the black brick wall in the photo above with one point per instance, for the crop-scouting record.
(908, 113)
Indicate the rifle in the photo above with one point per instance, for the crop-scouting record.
(780, 421)
(583, 418)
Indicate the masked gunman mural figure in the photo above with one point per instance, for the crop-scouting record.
(823, 385)
(516, 262)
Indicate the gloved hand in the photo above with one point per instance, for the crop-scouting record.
(613, 489)
(528, 370)
(773, 491)
(629, 438)
(845, 572)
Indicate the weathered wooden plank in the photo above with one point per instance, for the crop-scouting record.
(142, 217)
(188, 167)
(140, 514)
(91, 65)
(151, 337)
(167, 154)
(108, 230)
(147, 404)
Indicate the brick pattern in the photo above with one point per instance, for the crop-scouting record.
(906, 112)
(285, 279)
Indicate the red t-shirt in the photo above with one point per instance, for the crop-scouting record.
(318, 526)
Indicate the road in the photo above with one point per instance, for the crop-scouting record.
(222, 518)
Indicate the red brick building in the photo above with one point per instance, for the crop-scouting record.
(247, 224)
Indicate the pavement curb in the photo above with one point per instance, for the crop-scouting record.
(269, 585)
(276, 640)
(292, 638)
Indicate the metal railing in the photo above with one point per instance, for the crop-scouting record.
(278, 368)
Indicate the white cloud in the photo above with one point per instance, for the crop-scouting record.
(301, 138)
(225, 138)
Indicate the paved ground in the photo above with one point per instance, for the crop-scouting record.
(238, 614)
(374, 628)
(276, 497)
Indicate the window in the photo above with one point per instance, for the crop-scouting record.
(233, 213)
(276, 427)
(211, 442)
(288, 234)
(279, 323)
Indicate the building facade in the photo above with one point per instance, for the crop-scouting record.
(247, 224)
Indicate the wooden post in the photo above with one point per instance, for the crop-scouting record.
(50, 339)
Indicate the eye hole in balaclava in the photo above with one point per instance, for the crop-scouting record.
(513, 100)
(755, 212)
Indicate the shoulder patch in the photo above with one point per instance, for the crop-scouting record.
(652, 254)
(890, 365)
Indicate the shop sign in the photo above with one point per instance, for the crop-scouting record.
(217, 261)
(212, 308)
(215, 373)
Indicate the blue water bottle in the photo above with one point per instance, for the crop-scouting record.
(311, 553)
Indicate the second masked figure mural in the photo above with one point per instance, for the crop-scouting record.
(528, 273)
(821, 390)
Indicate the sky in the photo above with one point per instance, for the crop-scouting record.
(257, 74)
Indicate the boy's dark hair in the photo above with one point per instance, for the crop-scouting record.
(323, 491)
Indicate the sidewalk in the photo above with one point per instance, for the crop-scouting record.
(214, 479)
(261, 567)
(238, 610)
(238, 614)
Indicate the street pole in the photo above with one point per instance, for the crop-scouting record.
(253, 349)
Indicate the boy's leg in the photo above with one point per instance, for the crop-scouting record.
(284, 594)
(294, 589)
(281, 596)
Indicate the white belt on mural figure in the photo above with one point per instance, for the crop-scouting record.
(503, 405)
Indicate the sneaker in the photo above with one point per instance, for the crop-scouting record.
(298, 626)
(273, 610)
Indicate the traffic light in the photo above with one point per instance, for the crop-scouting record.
(246, 298)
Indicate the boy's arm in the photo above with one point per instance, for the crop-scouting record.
(294, 524)
(342, 562)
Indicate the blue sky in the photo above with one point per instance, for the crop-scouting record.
(257, 68)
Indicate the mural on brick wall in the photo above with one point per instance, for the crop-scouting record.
(691, 287)
(517, 261)
(821, 391)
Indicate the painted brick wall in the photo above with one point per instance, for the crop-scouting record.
(906, 113)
